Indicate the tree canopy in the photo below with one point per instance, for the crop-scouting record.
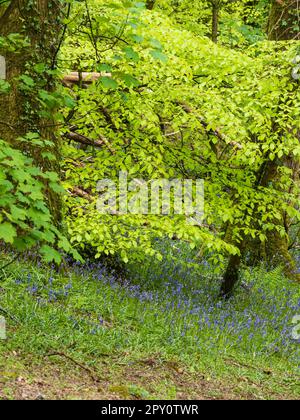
(160, 90)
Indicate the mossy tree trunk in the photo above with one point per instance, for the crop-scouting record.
(216, 5)
(276, 248)
(40, 21)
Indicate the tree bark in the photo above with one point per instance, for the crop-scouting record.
(215, 20)
(150, 4)
(20, 110)
(284, 20)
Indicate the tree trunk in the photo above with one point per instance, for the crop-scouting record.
(150, 4)
(276, 249)
(284, 20)
(215, 20)
(231, 275)
(21, 110)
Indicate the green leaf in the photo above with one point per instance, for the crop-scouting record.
(129, 80)
(7, 232)
(104, 68)
(50, 254)
(4, 86)
(40, 68)
(27, 80)
(158, 55)
(109, 83)
(131, 54)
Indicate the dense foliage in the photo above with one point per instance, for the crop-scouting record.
(167, 103)
(184, 109)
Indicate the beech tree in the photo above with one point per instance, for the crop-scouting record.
(283, 26)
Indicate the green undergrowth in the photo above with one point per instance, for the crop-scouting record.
(90, 316)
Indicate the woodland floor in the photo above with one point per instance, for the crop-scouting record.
(84, 335)
(30, 379)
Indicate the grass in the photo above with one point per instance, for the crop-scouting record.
(84, 333)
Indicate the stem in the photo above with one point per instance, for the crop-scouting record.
(10, 263)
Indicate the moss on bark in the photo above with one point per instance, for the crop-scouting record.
(39, 21)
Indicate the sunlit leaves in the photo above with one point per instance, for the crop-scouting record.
(175, 105)
(7, 232)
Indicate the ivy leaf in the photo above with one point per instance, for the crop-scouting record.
(4, 87)
(17, 213)
(39, 68)
(69, 102)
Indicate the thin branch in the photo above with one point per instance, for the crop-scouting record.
(66, 356)
(61, 39)
(79, 192)
(9, 315)
(86, 77)
(10, 263)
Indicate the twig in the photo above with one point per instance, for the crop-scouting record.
(5, 312)
(66, 356)
(61, 39)
(11, 262)
(234, 363)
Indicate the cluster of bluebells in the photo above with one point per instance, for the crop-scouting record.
(297, 259)
(179, 298)
(44, 291)
(259, 321)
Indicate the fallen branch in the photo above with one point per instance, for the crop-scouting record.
(79, 138)
(66, 356)
(85, 77)
(244, 365)
(81, 193)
